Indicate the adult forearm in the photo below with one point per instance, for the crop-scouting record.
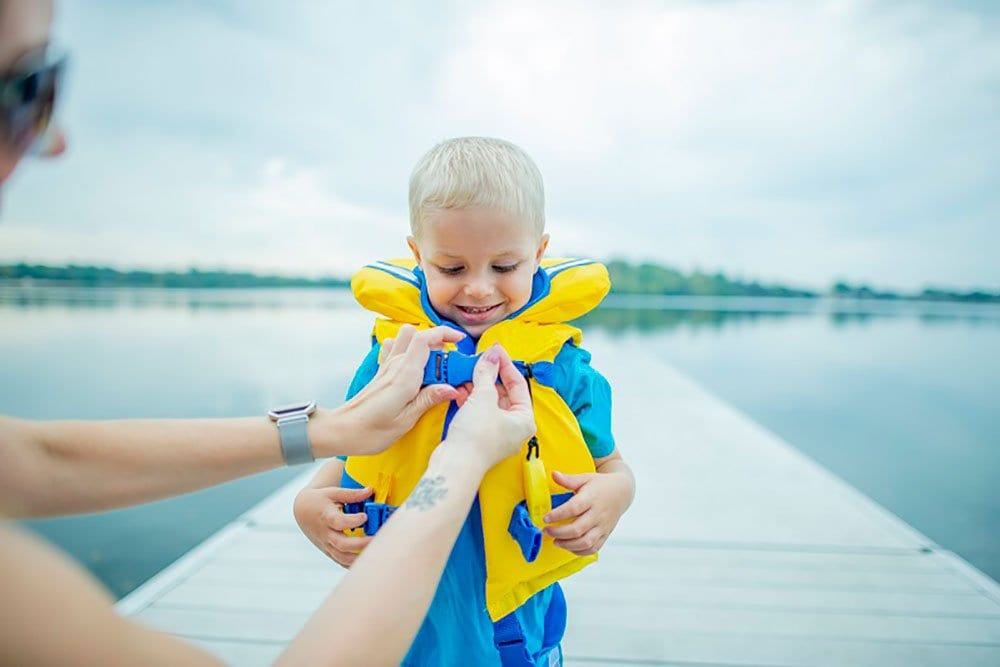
(63, 467)
(384, 584)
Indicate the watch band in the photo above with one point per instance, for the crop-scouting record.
(293, 430)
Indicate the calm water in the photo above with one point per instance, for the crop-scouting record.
(900, 400)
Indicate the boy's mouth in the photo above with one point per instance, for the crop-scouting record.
(477, 314)
(476, 311)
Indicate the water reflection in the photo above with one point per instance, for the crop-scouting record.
(29, 296)
(619, 313)
(616, 319)
(619, 321)
(897, 398)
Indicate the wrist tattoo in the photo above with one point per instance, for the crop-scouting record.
(427, 493)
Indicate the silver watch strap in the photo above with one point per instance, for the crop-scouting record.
(294, 432)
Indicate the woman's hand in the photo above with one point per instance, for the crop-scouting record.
(391, 403)
(495, 419)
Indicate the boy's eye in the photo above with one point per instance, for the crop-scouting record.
(450, 270)
(504, 268)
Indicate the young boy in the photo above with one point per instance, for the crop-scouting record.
(477, 221)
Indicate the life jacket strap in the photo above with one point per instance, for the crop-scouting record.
(378, 513)
(456, 368)
(509, 638)
(524, 531)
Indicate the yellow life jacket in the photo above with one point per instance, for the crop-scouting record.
(568, 288)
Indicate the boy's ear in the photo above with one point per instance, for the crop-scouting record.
(543, 243)
(412, 242)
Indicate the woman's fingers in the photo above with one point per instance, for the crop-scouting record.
(516, 387)
(385, 351)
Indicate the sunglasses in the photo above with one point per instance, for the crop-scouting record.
(27, 98)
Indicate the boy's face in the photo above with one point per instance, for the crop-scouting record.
(478, 264)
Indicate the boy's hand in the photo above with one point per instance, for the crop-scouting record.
(600, 500)
(320, 515)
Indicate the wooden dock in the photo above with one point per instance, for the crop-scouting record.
(738, 551)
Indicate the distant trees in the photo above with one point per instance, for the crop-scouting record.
(97, 276)
(626, 278)
(648, 278)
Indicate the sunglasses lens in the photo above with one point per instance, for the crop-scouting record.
(28, 101)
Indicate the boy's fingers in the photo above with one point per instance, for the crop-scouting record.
(588, 544)
(347, 544)
(573, 507)
(571, 482)
(340, 558)
(341, 521)
(569, 531)
(339, 494)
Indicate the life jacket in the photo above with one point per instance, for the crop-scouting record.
(562, 290)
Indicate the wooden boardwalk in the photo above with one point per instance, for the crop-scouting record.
(738, 551)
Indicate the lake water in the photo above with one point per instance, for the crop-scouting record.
(901, 400)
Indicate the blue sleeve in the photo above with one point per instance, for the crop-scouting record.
(588, 395)
(366, 371)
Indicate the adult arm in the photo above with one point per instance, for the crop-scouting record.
(370, 619)
(62, 467)
(395, 578)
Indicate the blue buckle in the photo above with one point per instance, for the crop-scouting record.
(453, 368)
(456, 368)
(377, 513)
(525, 532)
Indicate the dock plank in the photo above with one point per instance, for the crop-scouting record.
(741, 552)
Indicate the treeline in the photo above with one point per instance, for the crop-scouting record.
(648, 278)
(626, 278)
(98, 276)
(844, 290)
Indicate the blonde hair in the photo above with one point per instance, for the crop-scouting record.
(477, 172)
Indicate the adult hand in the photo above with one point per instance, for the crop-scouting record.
(320, 514)
(392, 402)
(496, 419)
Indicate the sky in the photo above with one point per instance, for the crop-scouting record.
(789, 142)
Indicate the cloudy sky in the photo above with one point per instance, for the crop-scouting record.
(799, 142)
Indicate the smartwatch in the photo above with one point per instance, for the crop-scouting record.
(293, 428)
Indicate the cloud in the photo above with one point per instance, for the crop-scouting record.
(778, 139)
(782, 140)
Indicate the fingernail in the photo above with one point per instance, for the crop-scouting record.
(493, 354)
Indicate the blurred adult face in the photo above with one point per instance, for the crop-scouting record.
(24, 27)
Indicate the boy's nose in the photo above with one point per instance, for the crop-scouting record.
(479, 289)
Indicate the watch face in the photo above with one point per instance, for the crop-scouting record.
(293, 408)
